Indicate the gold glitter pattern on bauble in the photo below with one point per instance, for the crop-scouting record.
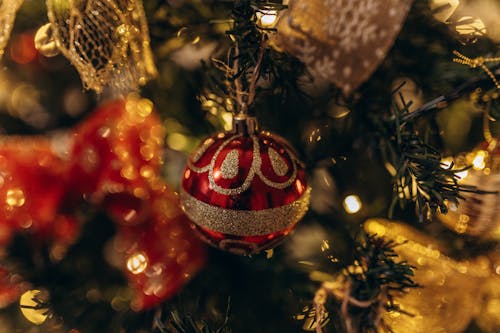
(229, 168)
(231, 161)
(244, 222)
(279, 166)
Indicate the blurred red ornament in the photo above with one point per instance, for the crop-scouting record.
(33, 187)
(160, 255)
(22, 48)
(116, 157)
(244, 190)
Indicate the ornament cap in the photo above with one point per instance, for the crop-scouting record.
(244, 124)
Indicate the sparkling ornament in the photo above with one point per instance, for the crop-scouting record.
(479, 214)
(341, 41)
(444, 283)
(161, 255)
(116, 157)
(244, 190)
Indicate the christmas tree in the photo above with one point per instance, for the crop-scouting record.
(189, 166)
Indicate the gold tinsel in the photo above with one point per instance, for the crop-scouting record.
(8, 10)
(449, 297)
(106, 40)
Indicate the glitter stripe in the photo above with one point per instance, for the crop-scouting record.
(244, 222)
(255, 167)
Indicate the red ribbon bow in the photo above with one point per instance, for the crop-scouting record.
(112, 160)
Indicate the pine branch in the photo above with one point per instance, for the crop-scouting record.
(366, 288)
(185, 323)
(418, 174)
(441, 102)
(250, 60)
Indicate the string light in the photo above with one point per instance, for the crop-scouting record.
(177, 141)
(352, 204)
(462, 174)
(267, 18)
(479, 163)
(137, 263)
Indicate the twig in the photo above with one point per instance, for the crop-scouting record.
(443, 101)
(256, 71)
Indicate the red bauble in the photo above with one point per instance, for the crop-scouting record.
(244, 191)
(32, 188)
(160, 255)
(116, 157)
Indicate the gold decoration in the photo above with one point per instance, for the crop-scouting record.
(442, 10)
(448, 298)
(470, 28)
(478, 62)
(30, 308)
(341, 41)
(106, 40)
(45, 42)
(243, 222)
(488, 318)
(230, 166)
(277, 163)
(8, 10)
(479, 214)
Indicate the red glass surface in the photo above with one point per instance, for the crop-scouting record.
(243, 245)
(259, 195)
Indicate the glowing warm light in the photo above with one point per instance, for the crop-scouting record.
(374, 227)
(15, 197)
(325, 245)
(28, 305)
(352, 204)
(227, 117)
(177, 141)
(462, 174)
(137, 263)
(267, 18)
(479, 162)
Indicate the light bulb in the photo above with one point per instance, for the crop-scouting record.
(352, 204)
(267, 17)
(137, 263)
